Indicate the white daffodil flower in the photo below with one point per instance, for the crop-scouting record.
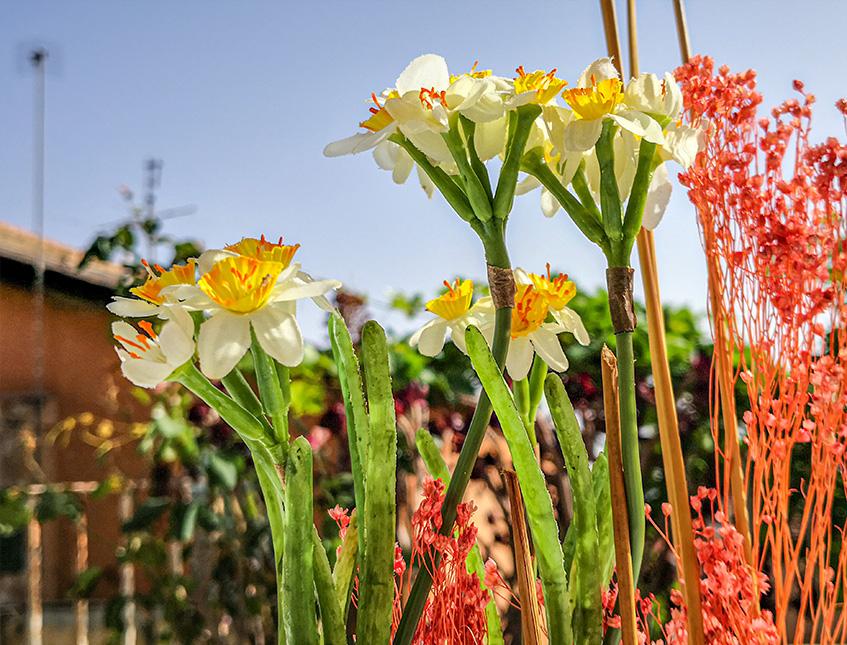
(662, 100)
(539, 315)
(477, 95)
(157, 296)
(243, 292)
(454, 314)
(658, 198)
(599, 96)
(557, 292)
(148, 359)
(626, 163)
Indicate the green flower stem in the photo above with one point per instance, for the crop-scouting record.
(377, 571)
(585, 585)
(271, 485)
(271, 393)
(458, 483)
(298, 589)
(629, 450)
(539, 506)
(437, 468)
(585, 221)
(469, 130)
(580, 185)
(350, 380)
(242, 393)
(520, 124)
(475, 191)
(445, 184)
(332, 615)
(536, 389)
(610, 199)
(248, 427)
(638, 194)
(344, 572)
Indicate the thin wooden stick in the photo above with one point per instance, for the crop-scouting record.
(35, 618)
(81, 605)
(531, 633)
(723, 359)
(672, 457)
(127, 575)
(620, 520)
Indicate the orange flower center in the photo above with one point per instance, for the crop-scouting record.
(545, 84)
(158, 278)
(455, 302)
(558, 291)
(265, 251)
(142, 343)
(529, 312)
(241, 284)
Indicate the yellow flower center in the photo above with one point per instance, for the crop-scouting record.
(158, 278)
(265, 251)
(240, 284)
(597, 101)
(545, 84)
(379, 118)
(483, 73)
(455, 302)
(558, 291)
(529, 312)
(142, 343)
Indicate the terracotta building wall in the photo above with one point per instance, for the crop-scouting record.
(81, 375)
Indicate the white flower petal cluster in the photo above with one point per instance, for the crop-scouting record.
(539, 316)
(244, 290)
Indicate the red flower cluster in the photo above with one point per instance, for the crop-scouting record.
(455, 609)
(772, 209)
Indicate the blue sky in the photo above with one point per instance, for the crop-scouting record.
(240, 98)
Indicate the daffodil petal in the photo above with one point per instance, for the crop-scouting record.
(582, 134)
(279, 334)
(571, 322)
(549, 348)
(658, 198)
(145, 373)
(176, 344)
(132, 307)
(223, 339)
(639, 124)
(430, 338)
(429, 71)
(549, 204)
(519, 358)
(359, 142)
(402, 168)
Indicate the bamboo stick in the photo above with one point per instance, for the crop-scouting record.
(530, 611)
(672, 457)
(35, 614)
(723, 356)
(81, 605)
(620, 521)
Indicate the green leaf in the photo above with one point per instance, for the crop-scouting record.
(223, 471)
(148, 512)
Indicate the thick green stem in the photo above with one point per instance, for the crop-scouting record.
(496, 255)
(350, 380)
(536, 389)
(475, 191)
(520, 124)
(539, 506)
(610, 199)
(469, 129)
(332, 615)
(298, 588)
(629, 449)
(580, 185)
(638, 194)
(377, 571)
(585, 585)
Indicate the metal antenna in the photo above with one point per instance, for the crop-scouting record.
(38, 60)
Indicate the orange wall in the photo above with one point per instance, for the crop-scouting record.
(81, 375)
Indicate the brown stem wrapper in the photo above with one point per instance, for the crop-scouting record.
(621, 308)
(502, 284)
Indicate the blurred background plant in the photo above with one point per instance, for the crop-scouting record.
(198, 541)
